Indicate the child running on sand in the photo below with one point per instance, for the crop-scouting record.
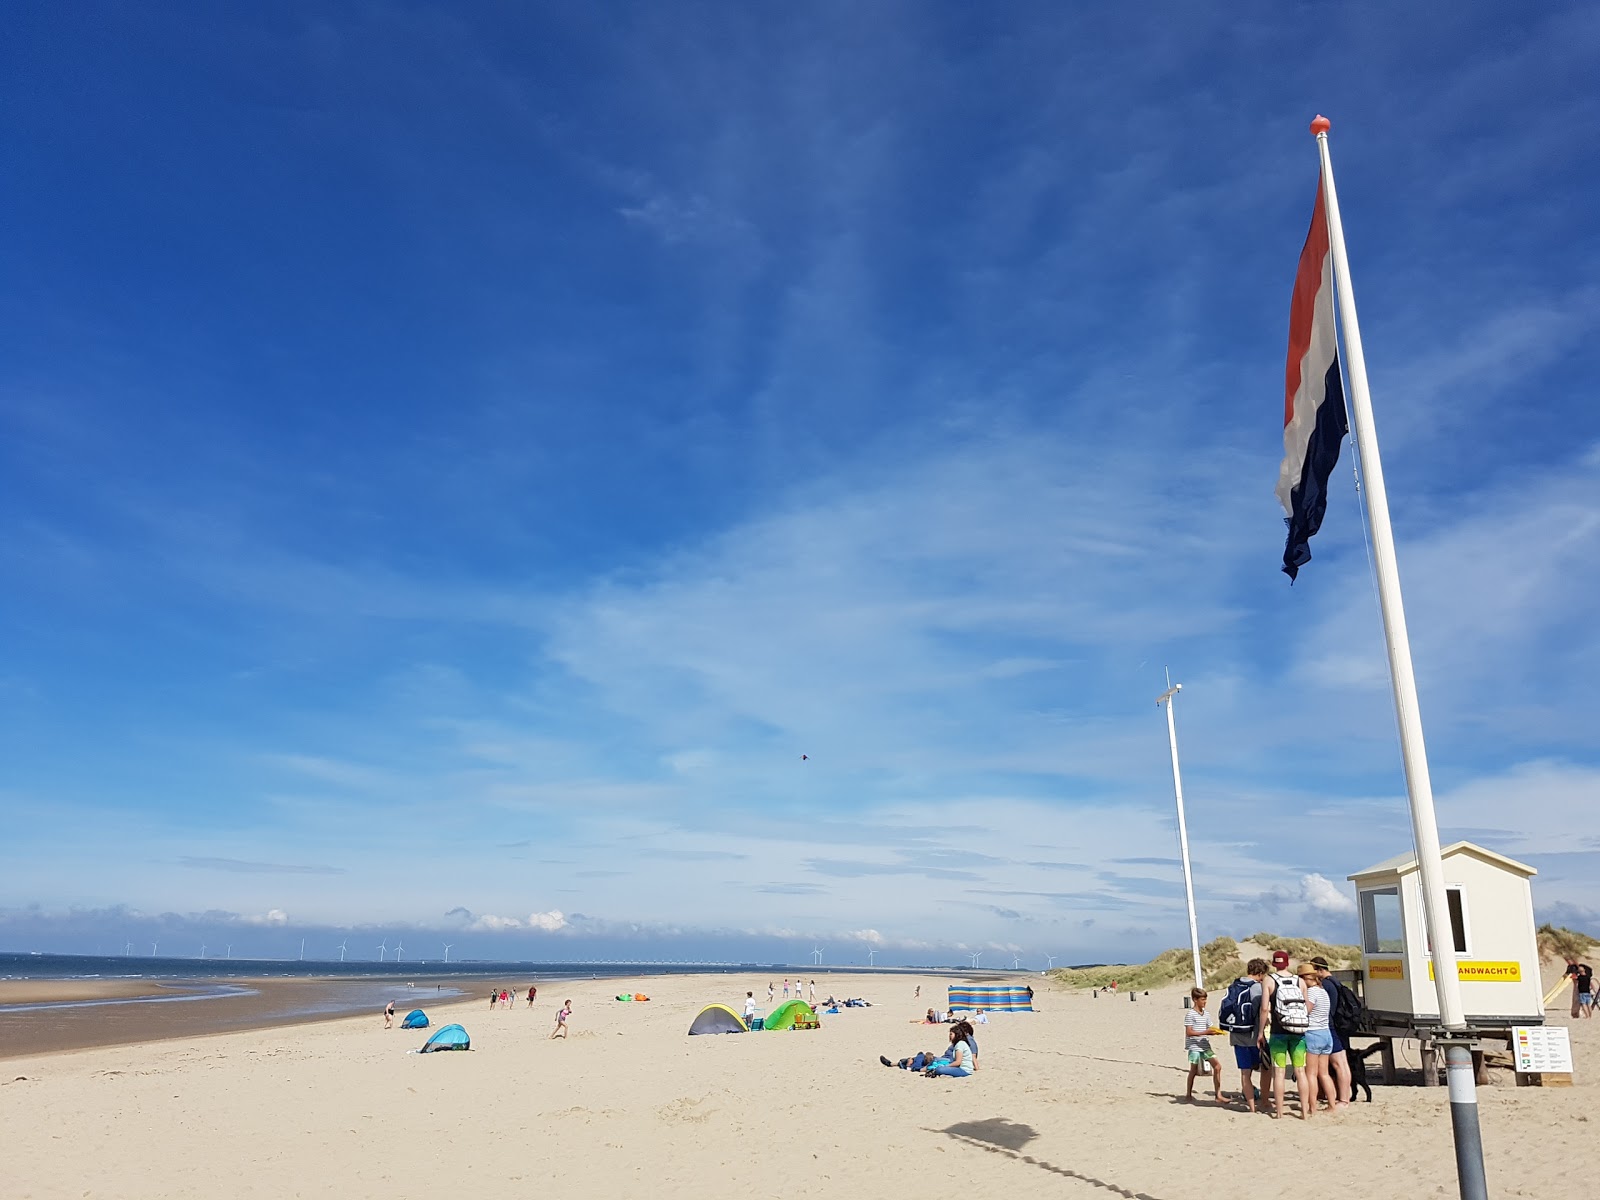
(1196, 1027)
(561, 1021)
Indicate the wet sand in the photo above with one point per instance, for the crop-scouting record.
(45, 991)
(251, 1004)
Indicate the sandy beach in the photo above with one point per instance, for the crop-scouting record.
(1082, 1098)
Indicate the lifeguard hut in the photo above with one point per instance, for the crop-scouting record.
(1490, 904)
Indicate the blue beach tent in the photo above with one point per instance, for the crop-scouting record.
(415, 1019)
(451, 1037)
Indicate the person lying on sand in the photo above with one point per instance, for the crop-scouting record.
(923, 1059)
(919, 1060)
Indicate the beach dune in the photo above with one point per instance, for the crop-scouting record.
(1079, 1099)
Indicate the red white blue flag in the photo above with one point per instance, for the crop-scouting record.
(1314, 421)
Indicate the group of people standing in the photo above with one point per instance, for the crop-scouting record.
(811, 998)
(1276, 1019)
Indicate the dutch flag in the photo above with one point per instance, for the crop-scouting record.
(1314, 421)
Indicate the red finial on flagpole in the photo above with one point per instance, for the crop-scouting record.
(1321, 125)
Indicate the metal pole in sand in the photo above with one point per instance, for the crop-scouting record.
(1413, 751)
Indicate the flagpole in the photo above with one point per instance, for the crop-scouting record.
(1183, 829)
(1413, 750)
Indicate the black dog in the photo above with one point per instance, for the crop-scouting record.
(1358, 1069)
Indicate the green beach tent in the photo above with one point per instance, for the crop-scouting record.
(791, 1013)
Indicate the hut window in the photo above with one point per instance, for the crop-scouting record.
(1381, 929)
(1458, 920)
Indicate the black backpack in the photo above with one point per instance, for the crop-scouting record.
(1238, 1012)
(1348, 1011)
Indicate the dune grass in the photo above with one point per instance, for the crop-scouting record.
(1299, 949)
(1557, 941)
(1220, 964)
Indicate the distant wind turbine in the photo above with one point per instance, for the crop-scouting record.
(871, 958)
(302, 949)
(342, 946)
(399, 949)
(816, 956)
(447, 951)
(202, 949)
(1016, 961)
(382, 946)
(230, 949)
(127, 950)
(152, 949)
(1050, 962)
(975, 958)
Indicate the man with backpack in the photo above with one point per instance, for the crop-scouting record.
(1239, 1015)
(1281, 1031)
(1344, 1021)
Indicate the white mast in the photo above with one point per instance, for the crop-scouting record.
(1166, 699)
(1413, 750)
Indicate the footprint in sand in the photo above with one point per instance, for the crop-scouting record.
(683, 1111)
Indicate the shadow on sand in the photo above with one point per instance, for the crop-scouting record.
(1000, 1136)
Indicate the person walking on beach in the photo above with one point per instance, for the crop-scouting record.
(811, 993)
(785, 989)
(533, 994)
(918, 995)
(388, 1015)
(771, 991)
(1281, 1031)
(494, 998)
(560, 1031)
(1238, 1016)
(749, 1007)
(1197, 1044)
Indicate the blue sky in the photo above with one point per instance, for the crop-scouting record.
(453, 465)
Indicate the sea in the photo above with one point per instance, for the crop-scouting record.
(349, 986)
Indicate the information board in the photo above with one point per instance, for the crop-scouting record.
(1541, 1048)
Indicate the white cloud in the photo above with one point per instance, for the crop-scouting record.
(489, 923)
(274, 916)
(1325, 896)
(547, 921)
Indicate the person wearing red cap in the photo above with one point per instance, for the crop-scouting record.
(1281, 1029)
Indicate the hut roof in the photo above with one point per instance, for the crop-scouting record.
(1404, 864)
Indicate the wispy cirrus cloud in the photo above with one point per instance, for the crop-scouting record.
(243, 866)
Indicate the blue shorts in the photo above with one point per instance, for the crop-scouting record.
(1319, 1041)
(1247, 1058)
(1338, 1042)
